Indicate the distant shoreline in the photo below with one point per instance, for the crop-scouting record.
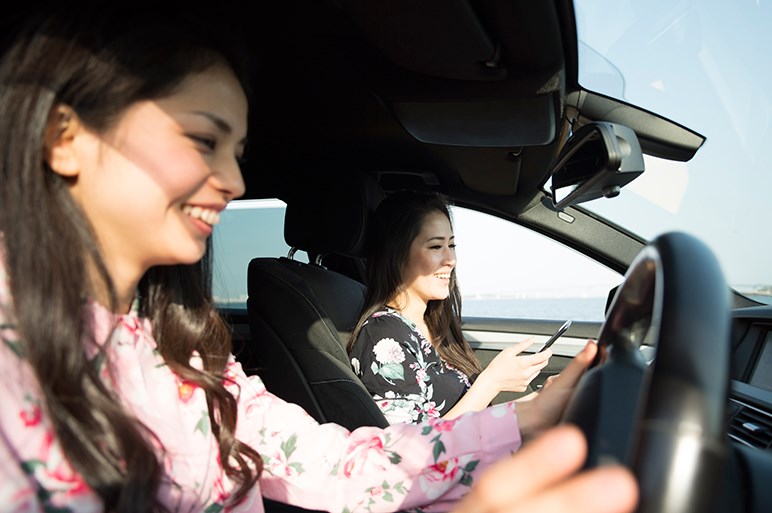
(498, 306)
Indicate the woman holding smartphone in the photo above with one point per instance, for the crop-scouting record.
(408, 347)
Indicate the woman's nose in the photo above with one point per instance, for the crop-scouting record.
(450, 257)
(229, 180)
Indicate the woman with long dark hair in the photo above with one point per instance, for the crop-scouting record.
(408, 347)
(121, 141)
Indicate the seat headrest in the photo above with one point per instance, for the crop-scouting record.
(333, 218)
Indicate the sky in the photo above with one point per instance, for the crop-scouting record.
(704, 64)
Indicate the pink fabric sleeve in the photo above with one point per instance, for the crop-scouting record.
(16, 491)
(370, 469)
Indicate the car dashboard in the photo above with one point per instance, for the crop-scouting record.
(750, 397)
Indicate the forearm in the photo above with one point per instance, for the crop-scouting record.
(376, 470)
(477, 398)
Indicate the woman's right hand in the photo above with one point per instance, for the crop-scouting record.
(510, 372)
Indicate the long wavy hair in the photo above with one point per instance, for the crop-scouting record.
(394, 226)
(99, 66)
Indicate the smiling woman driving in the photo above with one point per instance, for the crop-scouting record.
(121, 140)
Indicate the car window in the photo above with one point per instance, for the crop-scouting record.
(247, 229)
(506, 270)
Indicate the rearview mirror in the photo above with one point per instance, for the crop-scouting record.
(597, 161)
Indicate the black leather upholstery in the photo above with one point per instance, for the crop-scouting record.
(301, 315)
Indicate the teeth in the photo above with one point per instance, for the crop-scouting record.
(445, 276)
(207, 215)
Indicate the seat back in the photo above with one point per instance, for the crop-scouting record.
(301, 315)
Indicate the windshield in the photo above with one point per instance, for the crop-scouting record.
(705, 65)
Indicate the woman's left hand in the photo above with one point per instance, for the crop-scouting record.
(510, 371)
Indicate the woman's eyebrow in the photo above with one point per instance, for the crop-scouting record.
(440, 238)
(219, 122)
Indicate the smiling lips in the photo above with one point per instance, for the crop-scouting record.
(207, 215)
(443, 276)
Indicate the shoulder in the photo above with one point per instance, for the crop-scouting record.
(385, 324)
(391, 318)
(384, 318)
(385, 337)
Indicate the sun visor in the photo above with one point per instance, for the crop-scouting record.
(519, 121)
(440, 38)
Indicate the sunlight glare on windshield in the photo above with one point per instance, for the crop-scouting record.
(704, 65)
(650, 184)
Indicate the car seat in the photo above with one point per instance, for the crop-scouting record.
(301, 314)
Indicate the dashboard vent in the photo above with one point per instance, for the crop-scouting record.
(750, 425)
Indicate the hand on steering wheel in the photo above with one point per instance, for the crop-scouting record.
(666, 420)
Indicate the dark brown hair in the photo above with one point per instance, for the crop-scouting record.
(99, 66)
(394, 226)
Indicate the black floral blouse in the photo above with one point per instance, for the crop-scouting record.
(402, 370)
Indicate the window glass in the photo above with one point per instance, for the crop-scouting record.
(247, 229)
(505, 270)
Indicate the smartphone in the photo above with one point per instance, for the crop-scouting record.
(556, 336)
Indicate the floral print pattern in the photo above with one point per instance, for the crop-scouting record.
(388, 357)
(404, 373)
(428, 466)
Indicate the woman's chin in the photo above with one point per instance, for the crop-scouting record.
(192, 256)
(441, 296)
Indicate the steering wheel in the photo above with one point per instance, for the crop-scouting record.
(664, 420)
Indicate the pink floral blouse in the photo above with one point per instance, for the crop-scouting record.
(307, 464)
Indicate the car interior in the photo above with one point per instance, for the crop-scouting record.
(476, 100)
(480, 100)
(301, 314)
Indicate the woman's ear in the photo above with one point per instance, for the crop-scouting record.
(63, 126)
